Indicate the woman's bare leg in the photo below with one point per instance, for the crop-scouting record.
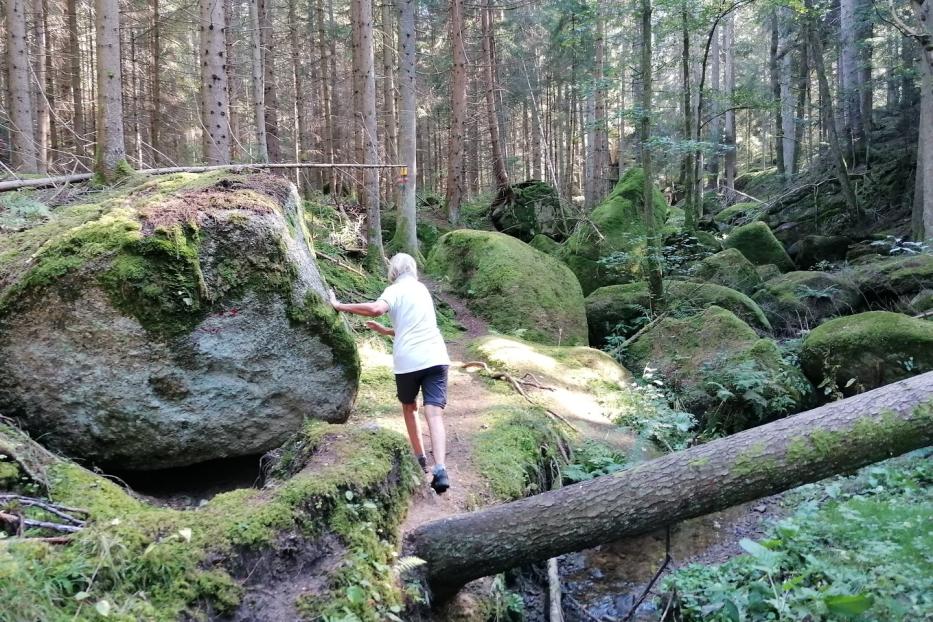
(414, 428)
(435, 418)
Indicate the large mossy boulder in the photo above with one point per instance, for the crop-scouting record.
(729, 268)
(179, 320)
(614, 233)
(739, 214)
(545, 244)
(623, 309)
(891, 279)
(811, 250)
(801, 300)
(529, 208)
(720, 369)
(759, 246)
(868, 350)
(516, 288)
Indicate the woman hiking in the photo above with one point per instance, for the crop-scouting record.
(419, 357)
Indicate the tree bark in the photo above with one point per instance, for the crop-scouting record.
(691, 213)
(495, 141)
(653, 267)
(728, 44)
(258, 76)
(25, 157)
(155, 112)
(455, 180)
(787, 453)
(270, 98)
(41, 102)
(406, 238)
(826, 101)
(374, 251)
(922, 220)
(302, 143)
(215, 98)
(110, 161)
(77, 98)
(390, 125)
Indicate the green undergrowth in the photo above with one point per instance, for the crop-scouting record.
(519, 454)
(856, 548)
(136, 561)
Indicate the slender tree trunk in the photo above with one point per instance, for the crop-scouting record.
(270, 99)
(388, 96)
(302, 130)
(653, 267)
(40, 100)
(155, 112)
(787, 453)
(455, 182)
(589, 152)
(25, 156)
(803, 89)
(788, 124)
(691, 215)
(406, 238)
(326, 86)
(233, 24)
(111, 152)
(258, 77)
(842, 173)
(215, 101)
(715, 125)
(495, 143)
(923, 194)
(728, 44)
(601, 129)
(778, 101)
(374, 252)
(77, 97)
(850, 72)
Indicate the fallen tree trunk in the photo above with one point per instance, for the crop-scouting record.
(808, 447)
(45, 182)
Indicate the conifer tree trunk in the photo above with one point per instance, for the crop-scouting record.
(155, 98)
(302, 131)
(390, 124)
(837, 438)
(234, 23)
(215, 102)
(922, 220)
(326, 86)
(270, 98)
(257, 79)
(374, 251)
(728, 44)
(601, 184)
(495, 142)
(826, 101)
(40, 100)
(691, 213)
(653, 268)
(455, 181)
(715, 125)
(110, 161)
(776, 94)
(406, 238)
(25, 157)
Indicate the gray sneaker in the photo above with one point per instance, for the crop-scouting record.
(440, 483)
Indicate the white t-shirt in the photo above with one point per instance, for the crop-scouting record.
(418, 343)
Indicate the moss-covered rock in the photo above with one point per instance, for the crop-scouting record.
(623, 309)
(327, 520)
(800, 300)
(192, 303)
(888, 279)
(708, 240)
(516, 288)
(767, 272)
(739, 214)
(759, 245)
(729, 268)
(614, 232)
(720, 369)
(545, 244)
(529, 208)
(813, 249)
(868, 350)
(922, 302)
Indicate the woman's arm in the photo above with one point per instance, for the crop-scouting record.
(367, 309)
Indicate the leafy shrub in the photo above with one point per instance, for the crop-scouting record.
(646, 409)
(748, 394)
(856, 549)
(590, 460)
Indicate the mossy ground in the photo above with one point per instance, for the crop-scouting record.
(152, 563)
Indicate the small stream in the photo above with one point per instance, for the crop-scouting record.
(602, 584)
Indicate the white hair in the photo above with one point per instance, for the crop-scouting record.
(402, 264)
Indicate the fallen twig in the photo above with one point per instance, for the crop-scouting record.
(339, 263)
(52, 508)
(22, 521)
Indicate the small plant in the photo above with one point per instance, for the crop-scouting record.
(19, 210)
(646, 409)
(591, 460)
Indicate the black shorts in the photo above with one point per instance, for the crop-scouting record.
(432, 382)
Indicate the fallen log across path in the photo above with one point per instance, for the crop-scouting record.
(46, 182)
(813, 445)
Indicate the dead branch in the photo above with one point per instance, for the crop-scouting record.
(60, 511)
(342, 264)
(21, 521)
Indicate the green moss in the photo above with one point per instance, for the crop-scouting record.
(753, 463)
(319, 317)
(759, 246)
(514, 287)
(623, 309)
(511, 453)
(163, 564)
(739, 213)
(890, 277)
(545, 244)
(800, 299)
(530, 208)
(615, 228)
(867, 350)
(731, 269)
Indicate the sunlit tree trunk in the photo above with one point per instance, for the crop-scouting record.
(215, 98)
(388, 95)
(495, 143)
(111, 155)
(406, 238)
(25, 157)
(455, 181)
(374, 251)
